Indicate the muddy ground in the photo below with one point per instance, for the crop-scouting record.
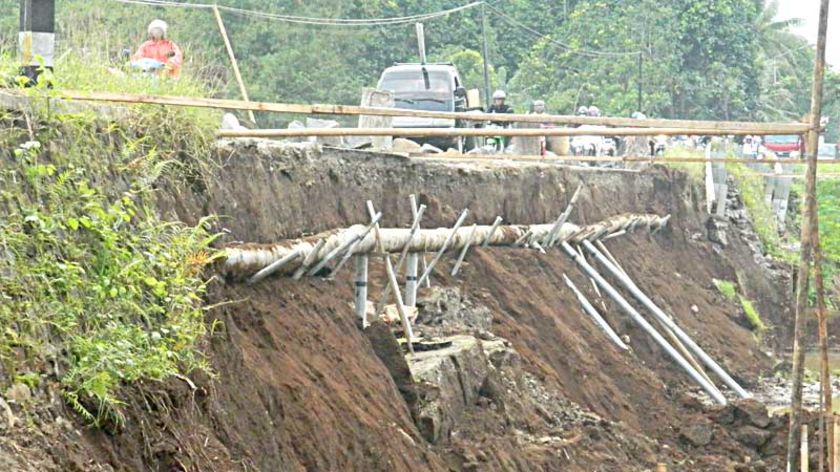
(298, 386)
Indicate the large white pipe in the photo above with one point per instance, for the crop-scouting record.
(247, 259)
(665, 319)
(643, 323)
(593, 312)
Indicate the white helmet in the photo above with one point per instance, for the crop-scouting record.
(582, 110)
(157, 24)
(499, 94)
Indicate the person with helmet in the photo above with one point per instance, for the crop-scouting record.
(499, 105)
(161, 49)
(593, 111)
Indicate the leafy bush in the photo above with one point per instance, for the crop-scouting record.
(95, 288)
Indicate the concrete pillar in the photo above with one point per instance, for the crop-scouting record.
(361, 263)
(36, 37)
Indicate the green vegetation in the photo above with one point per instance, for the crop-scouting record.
(96, 290)
(761, 213)
(726, 288)
(752, 315)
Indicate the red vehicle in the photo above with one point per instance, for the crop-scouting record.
(784, 145)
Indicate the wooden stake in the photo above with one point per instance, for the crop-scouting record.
(810, 224)
(233, 61)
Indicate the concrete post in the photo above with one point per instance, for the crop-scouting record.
(411, 280)
(36, 37)
(361, 263)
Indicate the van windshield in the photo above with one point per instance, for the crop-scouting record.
(411, 90)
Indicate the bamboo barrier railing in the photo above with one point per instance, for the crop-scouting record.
(646, 159)
(481, 132)
(688, 126)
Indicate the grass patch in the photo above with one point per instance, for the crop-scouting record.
(726, 288)
(752, 315)
(761, 213)
(696, 170)
(96, 290)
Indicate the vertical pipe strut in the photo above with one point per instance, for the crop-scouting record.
(361, 263)
(665, 319)
(411, 280)
(643, 323)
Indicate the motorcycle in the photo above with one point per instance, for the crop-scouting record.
(496, 143)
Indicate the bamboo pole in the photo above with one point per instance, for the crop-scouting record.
(233, 60)
(605, 159)
(697, 127)
(825, 423)
(810, 224)
(480, 132)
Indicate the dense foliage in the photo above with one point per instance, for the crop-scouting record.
(96, 291)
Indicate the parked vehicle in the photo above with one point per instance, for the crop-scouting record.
(784, 145)
(427, 87)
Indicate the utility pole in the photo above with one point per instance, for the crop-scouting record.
(36, 37)
(639, 91)
(485, 56)
(810, 225)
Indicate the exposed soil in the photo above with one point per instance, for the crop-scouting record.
(299, 387)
